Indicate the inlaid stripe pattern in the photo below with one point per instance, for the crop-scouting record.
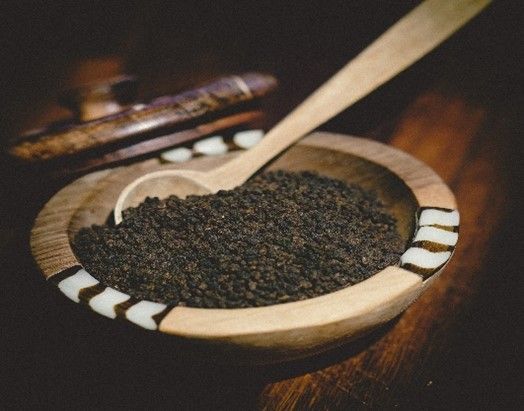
(434, 241)
(213, 146)
(81, 287)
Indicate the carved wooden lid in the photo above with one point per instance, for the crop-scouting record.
(106, 115)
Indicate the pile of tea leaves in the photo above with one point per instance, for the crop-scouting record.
(278, 238)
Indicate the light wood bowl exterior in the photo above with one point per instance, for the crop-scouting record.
(423, 205)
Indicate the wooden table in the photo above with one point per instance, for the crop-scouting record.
(457, 110)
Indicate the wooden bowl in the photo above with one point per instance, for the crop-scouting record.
(427, 220)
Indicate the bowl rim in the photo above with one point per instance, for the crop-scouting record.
(296, 324)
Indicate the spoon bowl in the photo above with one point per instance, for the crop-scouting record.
(161, 184)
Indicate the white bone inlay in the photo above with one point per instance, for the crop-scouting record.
(142, 312)
(72, 285)
(104, 303)
(432, 216)
(177, 155)
(248, 138)
(211, 146)
(424, 258)
(436, 235)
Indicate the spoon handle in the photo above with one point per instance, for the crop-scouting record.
(412, 37)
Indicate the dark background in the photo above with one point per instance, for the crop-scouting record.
(57, 354)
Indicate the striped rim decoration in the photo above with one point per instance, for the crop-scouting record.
(434, 241)
(340, 315)
(214, 145)
(81, 287)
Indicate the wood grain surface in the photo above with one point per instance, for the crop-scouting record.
(459, 110)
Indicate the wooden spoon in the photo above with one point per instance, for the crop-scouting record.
(412, 37)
